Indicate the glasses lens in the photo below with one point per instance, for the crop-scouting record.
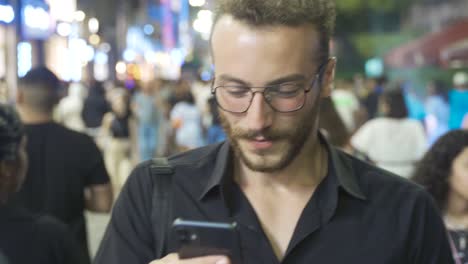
(233, 98)
(286, 97)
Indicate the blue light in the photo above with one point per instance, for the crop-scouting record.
(24, 58)
(7, 14)
(129, 55)
(148, 29)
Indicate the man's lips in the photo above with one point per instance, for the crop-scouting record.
(260, 143)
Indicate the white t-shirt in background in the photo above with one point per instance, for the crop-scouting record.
(393, 144)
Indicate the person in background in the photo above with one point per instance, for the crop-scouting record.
(67, 173)
(443, 171)
(394, 142)
(215, 132)
(94, 108)
(346, 104)
(148, 115)
(458, 100)
(69, 109)
(26, 237)
(437, 111)
(186, 119)
(371, 101)
(116, 128)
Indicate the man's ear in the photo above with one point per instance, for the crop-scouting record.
(328, 78)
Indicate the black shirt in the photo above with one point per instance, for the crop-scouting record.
(62, 163)
(358, 214)
(27, 238)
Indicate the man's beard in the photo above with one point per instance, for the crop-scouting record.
(292, 139)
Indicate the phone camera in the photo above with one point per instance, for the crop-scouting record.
(186, 236)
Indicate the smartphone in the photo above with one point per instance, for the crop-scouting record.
(203, 238)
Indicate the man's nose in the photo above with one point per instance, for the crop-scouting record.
(260, 114)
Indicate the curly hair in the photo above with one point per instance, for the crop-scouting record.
(320, 13)
(434, 170)
(11, 134)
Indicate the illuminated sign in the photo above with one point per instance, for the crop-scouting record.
(36, 22)
(7, 14)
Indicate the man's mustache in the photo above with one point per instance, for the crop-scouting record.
(267, 134)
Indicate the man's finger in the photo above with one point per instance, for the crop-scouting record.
(206, 260)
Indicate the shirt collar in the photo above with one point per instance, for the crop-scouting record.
(339, 162)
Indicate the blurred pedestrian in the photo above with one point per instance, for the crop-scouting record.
(116, 128)
(393, 141)
(458, 100)
(346, 104)
(64, 164)
(375, 89)
(69, 109)
(94, 108)
(444, 173)
(148, 114)
(186, 119)
(437, 111)
(215, 131)
(26, 237)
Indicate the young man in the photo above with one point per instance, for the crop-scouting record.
(295, 198)
(64, 164)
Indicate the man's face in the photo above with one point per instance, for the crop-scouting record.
(264, 139)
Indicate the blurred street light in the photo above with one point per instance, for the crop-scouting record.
(148, 29)
(93, 25)
(203, 23)
(121, 67)
(64, 29)
(94, 40)
(80, 16)
(7, 14)
(197, 3)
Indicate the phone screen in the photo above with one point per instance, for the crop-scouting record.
(204, 238)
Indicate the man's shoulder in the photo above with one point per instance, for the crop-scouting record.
(194, 159)
(59, 132)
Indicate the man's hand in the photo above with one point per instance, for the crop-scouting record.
(174, 259)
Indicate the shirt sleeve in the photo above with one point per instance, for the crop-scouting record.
(129, 235)
(95, 172)
(428, 240)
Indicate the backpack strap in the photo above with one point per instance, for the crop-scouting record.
(161, 211)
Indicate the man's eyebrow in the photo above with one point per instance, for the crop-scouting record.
(228, 78)
(285, 79)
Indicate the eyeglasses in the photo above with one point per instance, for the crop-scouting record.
(284, 98)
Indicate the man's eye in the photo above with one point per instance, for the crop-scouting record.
(236, 91)
(285, 90)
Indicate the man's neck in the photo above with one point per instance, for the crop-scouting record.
(306, 171)
(31, 117)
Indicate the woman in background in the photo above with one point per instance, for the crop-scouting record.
(444, 173)
(393, 141)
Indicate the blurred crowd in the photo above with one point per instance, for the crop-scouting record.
(385, 123)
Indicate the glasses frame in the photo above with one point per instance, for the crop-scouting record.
(306, 89)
